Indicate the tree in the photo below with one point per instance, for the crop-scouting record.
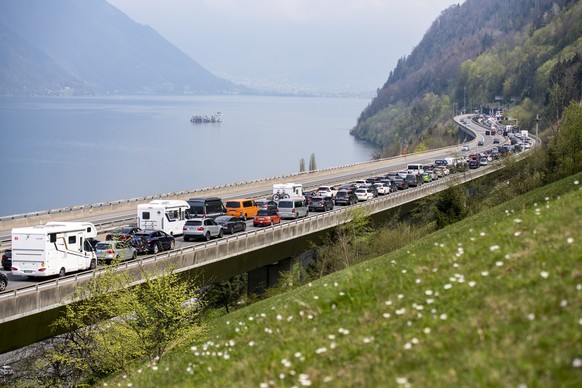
(312, 164)
(112, 322)
(302, 165)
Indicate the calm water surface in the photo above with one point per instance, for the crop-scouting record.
(59, 152)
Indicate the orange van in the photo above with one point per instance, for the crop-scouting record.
(243, 208)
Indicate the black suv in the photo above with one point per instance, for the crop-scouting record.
(320, 204)
(7, 259)
(346, 197)
(155, 240)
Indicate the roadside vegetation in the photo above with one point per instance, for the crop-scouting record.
(492, 300)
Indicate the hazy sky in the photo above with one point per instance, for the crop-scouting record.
(331, 45)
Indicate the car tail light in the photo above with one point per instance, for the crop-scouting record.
(110, 252)
(41, 269)
(184, 228)
(200, 228)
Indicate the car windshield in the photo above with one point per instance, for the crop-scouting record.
(103, 246)
(265, 213)
(285, 204)
(222, 219)
(194, 222)
(233, 204)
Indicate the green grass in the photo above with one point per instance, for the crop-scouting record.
(494, 300)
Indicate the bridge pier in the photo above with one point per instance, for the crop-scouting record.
(261, 278)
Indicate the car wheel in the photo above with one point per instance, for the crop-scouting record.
(231, 230)
(220, 233)
(172, 245)
(134, 255)
(3, 284)
(62, 272)
(244, 227)
(156, 249)
(186, 238)
(207, 236)
(93, 264)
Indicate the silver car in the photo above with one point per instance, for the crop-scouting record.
(114, 250)
(204, 228)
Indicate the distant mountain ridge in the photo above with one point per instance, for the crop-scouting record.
(523, 55)
(68, 47)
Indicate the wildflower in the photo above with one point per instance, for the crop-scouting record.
(286, 363)
(332, 345)
(321, 350)
(400, 296)
(499, 263)
(407, 346)
(577, 363)
(579, 287)
(386, 315)
(315, 297)
(327, 379)
(400, 311)
(388, 302)
(342, 293)
(494, 248)
(281, 376)
(428, 292)
(297, 354)
(403, 271)
(531, 316)
(304, 380)
(426, 330)
(485, 273)
(418, 281)
(448, 286)
(443, 316)
(456, 265)
(564, 303)
(367, 340)
(279, 317)
(517, 220)
(570, 240)
(517, 234)
(472, 283)
(343, 331)
(429, 301)
(482, 234)
(544, 274)
(251, 343)
(401, 380)
(576, 182)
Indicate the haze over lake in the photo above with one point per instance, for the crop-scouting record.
(59, 152)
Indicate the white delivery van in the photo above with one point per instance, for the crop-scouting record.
(56, 248)
(166, 215)
(294, 207)
(287, 190)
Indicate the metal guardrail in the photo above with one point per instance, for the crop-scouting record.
(242, 241)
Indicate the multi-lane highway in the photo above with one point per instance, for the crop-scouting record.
(125, 214)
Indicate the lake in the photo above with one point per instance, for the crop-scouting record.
(59, 152)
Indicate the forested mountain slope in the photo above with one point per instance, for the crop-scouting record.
(520, 54)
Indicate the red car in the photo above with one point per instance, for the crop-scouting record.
(266, 217)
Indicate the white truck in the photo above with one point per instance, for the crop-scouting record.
(287, 190)
(56, 248)
(167, 215)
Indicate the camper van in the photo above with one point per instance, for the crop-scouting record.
(287, 190)
(167, 215)
(56, 248)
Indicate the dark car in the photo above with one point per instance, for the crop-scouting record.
(473, 163)
(391, 184)
(122, 233)
(320, 204)
(155, 241)
(266, 204)
(7, 259)
(480, 143)
(347, 186)
(413, 180)
(346, 197)
(231, 224)
(401, 184)
(3, 281)
(308, 195)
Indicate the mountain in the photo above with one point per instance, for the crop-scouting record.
(90, 47)
(523, 55)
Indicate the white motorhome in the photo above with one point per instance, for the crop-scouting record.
(167, 215)
(287, 190)
(56, 248)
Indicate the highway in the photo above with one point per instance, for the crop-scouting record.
(125, 214)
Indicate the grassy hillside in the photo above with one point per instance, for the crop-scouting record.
(494, 300)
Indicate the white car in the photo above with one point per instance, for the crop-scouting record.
(6, 370)
(327, 191)
(381, 188)
(204, 228)
(465, 148)
(364, 194)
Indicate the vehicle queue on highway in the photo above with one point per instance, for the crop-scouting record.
(218, 218)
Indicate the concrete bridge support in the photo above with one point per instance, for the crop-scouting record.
(260, 279)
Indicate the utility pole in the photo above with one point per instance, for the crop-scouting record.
(464, 99)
